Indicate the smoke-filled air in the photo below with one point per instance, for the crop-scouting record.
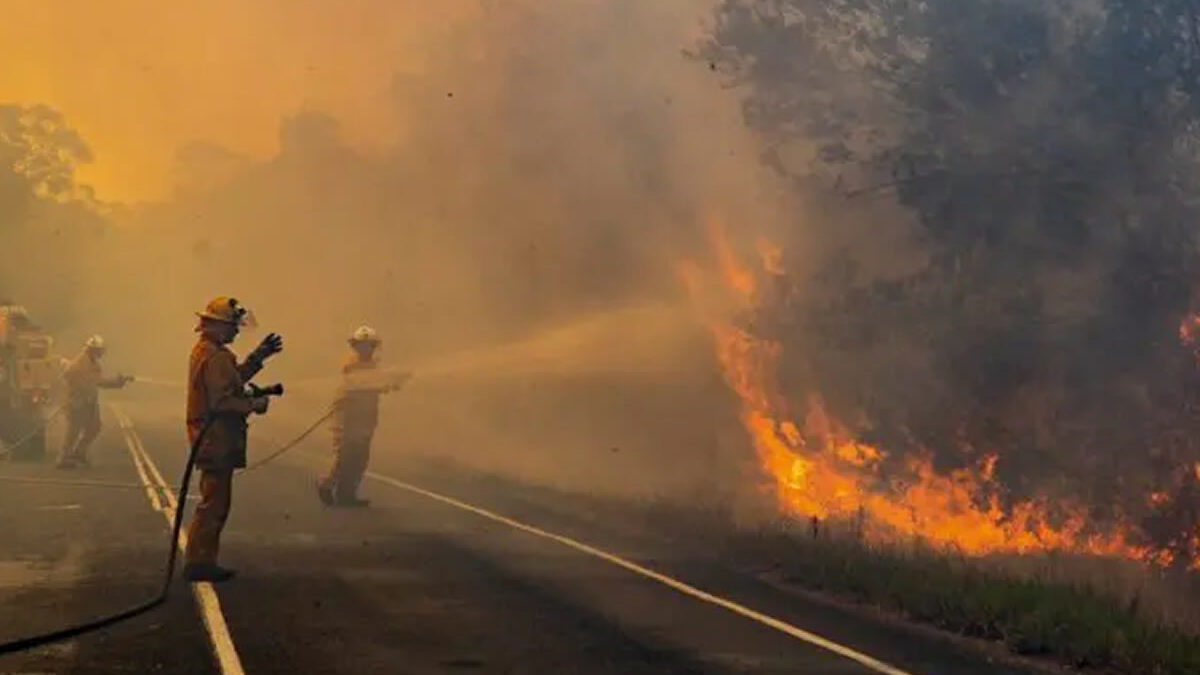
(502, 190)
(924, 270)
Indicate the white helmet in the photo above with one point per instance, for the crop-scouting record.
(95, 342)
(364, 334)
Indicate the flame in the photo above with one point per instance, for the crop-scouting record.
(820, 470)
(1189, 329)
(739, 277)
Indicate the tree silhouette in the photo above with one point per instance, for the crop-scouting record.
(46, 216)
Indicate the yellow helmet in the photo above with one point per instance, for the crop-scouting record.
(95, 342)
(225, 310)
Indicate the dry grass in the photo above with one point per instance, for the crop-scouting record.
(1085, 612)
(1088, 613)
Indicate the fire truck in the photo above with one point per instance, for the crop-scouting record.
(29, 377)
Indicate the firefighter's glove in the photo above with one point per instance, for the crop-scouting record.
(259, 404)
(271, 345)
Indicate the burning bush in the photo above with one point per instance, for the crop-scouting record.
(1020, 377)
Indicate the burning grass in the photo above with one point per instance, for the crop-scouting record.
(818, 467)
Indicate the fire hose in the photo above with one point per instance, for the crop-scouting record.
(35, 641)
(292, 443)
(281, 450)
(33, 434)
(42, 426)
(303, 435)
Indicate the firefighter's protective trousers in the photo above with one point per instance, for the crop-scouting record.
(217, 407)
(84, 378)
(356, 414)
(83, 426)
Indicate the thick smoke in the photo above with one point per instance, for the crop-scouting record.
(509, 215)
(988, 203)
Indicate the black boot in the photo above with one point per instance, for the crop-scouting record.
(353, 503)
(211, 572)
(325, 494)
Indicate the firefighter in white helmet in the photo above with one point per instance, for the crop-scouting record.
(355, 415)
(84, 378)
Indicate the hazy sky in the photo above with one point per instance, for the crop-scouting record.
(138, 78)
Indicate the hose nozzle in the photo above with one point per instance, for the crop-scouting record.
(270, 390)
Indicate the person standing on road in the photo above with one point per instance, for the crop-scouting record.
(217, 407)
(355, 416)
(84, 378)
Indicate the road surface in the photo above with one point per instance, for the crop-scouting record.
(441, 575)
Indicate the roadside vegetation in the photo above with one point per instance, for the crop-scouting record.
(1001, 201)
(1058, 611)
(1092, 614)
(998, 240)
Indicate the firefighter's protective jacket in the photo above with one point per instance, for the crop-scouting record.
(84, 377)
(356, 407)
(217, 391)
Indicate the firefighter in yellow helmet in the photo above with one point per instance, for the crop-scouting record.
(84, 378)
(217, 407)
(355, 415)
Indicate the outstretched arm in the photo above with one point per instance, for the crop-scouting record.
(372, 381)
(114, 382)
(399, 381)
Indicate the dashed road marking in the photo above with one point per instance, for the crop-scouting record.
(162, 499)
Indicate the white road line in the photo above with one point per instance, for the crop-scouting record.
(687, 589)
(162, 483)
(151, 493)
(206, 596)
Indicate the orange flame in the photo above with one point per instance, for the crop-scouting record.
(740, 278)
(1189, 329)
(820, 470)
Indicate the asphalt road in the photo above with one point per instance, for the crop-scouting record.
(414, 584)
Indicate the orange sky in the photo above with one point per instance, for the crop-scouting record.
(138, 78)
